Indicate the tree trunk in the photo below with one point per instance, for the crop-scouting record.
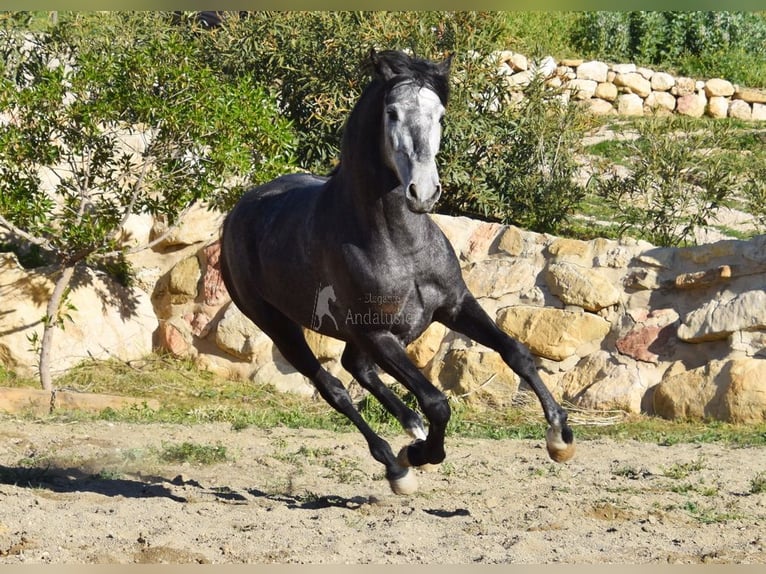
(51, 323)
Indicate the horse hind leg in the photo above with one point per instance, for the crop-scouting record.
(289, 339)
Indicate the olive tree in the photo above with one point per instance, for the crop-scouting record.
(121, 116)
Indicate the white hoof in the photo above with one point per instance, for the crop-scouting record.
(558, 450)
(404, 485)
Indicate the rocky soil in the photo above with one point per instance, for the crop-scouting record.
(101, 493)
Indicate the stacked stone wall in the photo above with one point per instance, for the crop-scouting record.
(627, 89)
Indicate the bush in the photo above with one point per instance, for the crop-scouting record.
(692, 42)
(676, 181)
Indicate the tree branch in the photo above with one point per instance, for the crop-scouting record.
(39, 241)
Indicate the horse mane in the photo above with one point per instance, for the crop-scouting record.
(393, 67)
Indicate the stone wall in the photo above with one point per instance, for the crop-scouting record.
(612, 324)
(632, 90)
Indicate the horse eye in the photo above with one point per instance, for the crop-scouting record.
(392, 115)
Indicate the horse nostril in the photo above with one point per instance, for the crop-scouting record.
(412, 191)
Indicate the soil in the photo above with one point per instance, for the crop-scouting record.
(99, 492)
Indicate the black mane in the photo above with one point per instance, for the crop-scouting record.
(405, 67)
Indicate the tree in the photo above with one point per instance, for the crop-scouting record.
(76, 96)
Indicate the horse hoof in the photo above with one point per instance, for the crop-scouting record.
(407, 484)
(558, 449)
(428, 467)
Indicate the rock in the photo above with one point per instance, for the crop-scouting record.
(518, 62)
(606, 91)
(650, 339)
(458, 230)
(198, 225)
(692, 105)
(624, 68)
(107, 319)
(592, 70)
(175, 336)
(582, 89)
(662, 82)
(275, 371)
(324, 347)
(726, 390)
(600, 383)
(581, 286)
(425, 347)
(759, 112)
(718, 87)
(238, 335)
(481, 241)
(740, 110)
(720, 317)
(183, 280)
(660, 102)
(684, 87)
(704, 278)
(750, 95)
(571, 62)
(477, 375)
(635, 83)
(546, 68)
(600, 107)
(630, 105)
(213, 289)
(519, 79)
(718, 107)
(497, 277)
(553, 333)
(571, 250)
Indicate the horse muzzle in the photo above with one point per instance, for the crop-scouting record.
(419, 202)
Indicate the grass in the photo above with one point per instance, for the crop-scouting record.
(190, 396)
(758, 483)
(193, 453)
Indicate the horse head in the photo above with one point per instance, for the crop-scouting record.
(413, 109)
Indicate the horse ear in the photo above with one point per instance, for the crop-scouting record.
(380, 66)
(445, 65)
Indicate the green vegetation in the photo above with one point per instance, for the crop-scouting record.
(696, 44)
(193, 453)
(190, 396)
(77, 95)
(758, 483)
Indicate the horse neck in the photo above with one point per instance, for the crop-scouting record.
(378, 210)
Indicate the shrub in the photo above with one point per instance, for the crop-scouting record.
(496, 161)
(676, 181)
(75, 95)
(692, 42)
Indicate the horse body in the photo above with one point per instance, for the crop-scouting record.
(354, 256)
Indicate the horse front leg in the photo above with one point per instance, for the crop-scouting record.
(388, 352)
(471, 320)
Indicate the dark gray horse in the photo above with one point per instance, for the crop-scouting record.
(356, 257)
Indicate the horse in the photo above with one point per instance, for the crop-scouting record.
(364, 231)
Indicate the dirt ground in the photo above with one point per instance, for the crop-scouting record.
(99, 492)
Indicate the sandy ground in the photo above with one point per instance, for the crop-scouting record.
(100, 493)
